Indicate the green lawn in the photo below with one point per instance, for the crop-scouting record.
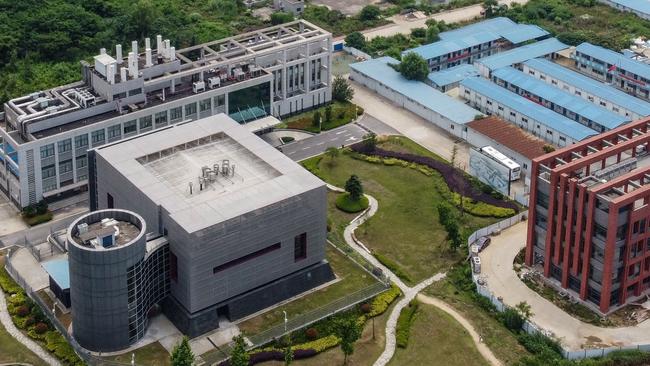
(342, 113)
(352, 279)
(405, 229)
(153, 354)
(437, 339)
(13, 351)
(497, 337)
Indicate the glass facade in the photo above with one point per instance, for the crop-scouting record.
(250, 104)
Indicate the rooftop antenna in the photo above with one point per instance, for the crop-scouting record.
(191, 184)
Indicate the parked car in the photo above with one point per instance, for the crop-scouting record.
(483, 242)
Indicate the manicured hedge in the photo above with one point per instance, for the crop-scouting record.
(481, 208)
(404, 322)
(345, 204)
(394, 267)
(382, 301)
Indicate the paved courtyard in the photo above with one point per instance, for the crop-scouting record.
(496, 266)
(10, 220)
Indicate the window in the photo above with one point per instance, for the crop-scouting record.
(49, 187)
(220, 101)
(161, 118)
(114, 132)
(109, 201)
(176, 114)
(173, 267)
(190, 109)
(300, 247)
(65, 166)
(205, 105)
(119, 96)
(135, 91)
(97, 137)
(245, 258)
(65, 145)
(562, 138)
(81, 141)
(50, 171)
(130, 127)
(145, 122)
(81, 161)
(47, 151)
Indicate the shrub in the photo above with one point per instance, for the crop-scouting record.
(40, 328)
(382, 301)
(365, 308)
(346, 204)
(512, 319)
(319, 345)
(7, 283)
(29, 321)
(536, 343)
(287, 139)
(22, 311)
(394, 267)
(311, 334)
(404, 322)
(482, 209)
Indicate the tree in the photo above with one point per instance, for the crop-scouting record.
(332, 153)
(369, 12)
(524, 310)
(355, 40)
(281, 17)
(288, 354)
(182, 354)
(433, 33)
(238, 355)
(449, 221)
(328, 113)
(316, 119)
(354, 188)
(414, 67)
(349, 332)
(370, 142)
(341, 89)
(489, 7)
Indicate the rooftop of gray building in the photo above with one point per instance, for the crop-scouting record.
(208, 171)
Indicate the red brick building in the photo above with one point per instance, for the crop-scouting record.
(589, 218)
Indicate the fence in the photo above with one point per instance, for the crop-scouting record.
(530, 327)
(356, 53)
(303, 320)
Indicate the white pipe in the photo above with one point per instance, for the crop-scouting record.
(118, 53)
(134, 47)
(147, 43)
(123, 74)
(159, 45)
(148, 62)
(172, 53)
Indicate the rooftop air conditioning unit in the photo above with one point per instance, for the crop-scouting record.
(82, 228)
(198, 87)
(214, 82)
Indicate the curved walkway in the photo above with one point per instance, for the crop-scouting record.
(6, 321)
(409, 292)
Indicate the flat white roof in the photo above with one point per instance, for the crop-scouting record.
(163, 163)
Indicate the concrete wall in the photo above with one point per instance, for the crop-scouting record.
(477, 139)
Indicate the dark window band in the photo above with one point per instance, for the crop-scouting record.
(245, 258)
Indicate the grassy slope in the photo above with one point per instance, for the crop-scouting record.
(13, 351)
(437, 339)
(152, 354)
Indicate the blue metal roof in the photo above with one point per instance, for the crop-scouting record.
(614, 58)
(534, 111)
(59, 271)
(453, 74)
(642, 6)
(479, 33)
(575, 104)
(601, 90)
(523, 53)
(452, 109)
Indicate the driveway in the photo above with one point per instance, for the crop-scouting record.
(10, 221)
(404, 26)
(317, 144)
(409, 124)
(496, 266)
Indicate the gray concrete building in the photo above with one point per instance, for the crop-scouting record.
(244, 225)
(295, 7)
(44, 136)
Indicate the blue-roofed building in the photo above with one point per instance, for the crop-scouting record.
(545, 48)
(587, 88)
(639, 7)
(492, 99)
(571, 106)
(470, 43)
(628, 74)
(59, 273)
(450, 78)
(438, 108)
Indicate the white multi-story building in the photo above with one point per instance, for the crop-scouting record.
(45, 135)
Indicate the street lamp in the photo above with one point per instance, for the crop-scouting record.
(285, 320)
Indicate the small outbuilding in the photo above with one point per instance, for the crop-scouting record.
(59, 274)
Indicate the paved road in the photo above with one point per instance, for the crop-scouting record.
(38, 234)
(337, 137)
(375, 125)
(453, 16)
(496, 266)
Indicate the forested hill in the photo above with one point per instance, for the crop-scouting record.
(42, 41)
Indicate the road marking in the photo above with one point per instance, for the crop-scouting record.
(342, 131)
(306, 148)
(320, 143)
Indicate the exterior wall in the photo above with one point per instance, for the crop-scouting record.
(490, 107)
(620, 7)
(112, 290)
(581, 92)
(479, 140)
(403, 101)
(620, 78)
(296, 7)
(464, 56)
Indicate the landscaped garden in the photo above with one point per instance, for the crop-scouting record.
(324, 118)
(405, 233)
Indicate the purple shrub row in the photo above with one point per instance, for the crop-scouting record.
(265, 356)
(454, 177)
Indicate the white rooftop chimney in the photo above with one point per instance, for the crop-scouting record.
(132, 70)
(102, 51)
(166, 49)
(159, 44)
(147, 43)
(123, 74)
(134, 48)
(148, 62)
(172, 53)
(118, 53)
(110, 73)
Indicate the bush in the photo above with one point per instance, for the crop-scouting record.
(346, 204)
(536, 343)
(29, 321)
(8, 285)
(38, 219)
(512, 319)
(319, 345)
(311, 334)
(404, 322)
(22, 311)
(394, 267)
(382, 301)
(40, 328)
(482, 209)
(365, 308)
(287, 139)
